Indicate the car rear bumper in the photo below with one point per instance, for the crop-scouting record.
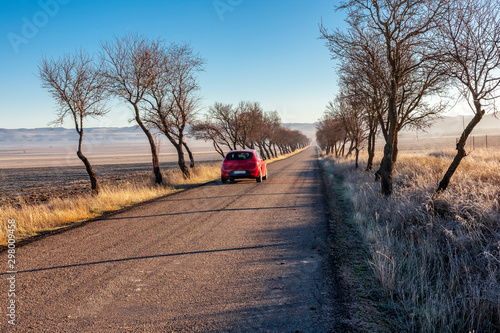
(240, 174)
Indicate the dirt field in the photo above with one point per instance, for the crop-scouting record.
(32, 175)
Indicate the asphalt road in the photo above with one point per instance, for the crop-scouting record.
(242, 257)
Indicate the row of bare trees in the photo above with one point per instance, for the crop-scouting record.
(397, 61)
(158, 81)
(247, 126)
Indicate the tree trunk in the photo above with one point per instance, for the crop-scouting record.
(94, 183)
(390, 148)
(261, 151)
(461, 153)
(395, 149)
(356, 150)
(342, 149)
(181, 161)
(371, 150)
(93, 178)
(351, 148)
(270, 150)
(266, 151)
(357, 157)
(280, 149)
(218, 149)
(152, 144)
(386, 170)
(387, 164)
(190, 154)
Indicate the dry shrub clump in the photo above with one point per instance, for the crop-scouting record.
(441, 271)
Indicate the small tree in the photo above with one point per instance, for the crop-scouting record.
(208, 131)
(363, 83)
(228, 118)
(131, 70)
(172, 97)
(273, 122)
(469, 41)
(77, 85)
(411, 71)
(350, 111)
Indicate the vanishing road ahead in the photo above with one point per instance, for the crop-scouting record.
(243, 257)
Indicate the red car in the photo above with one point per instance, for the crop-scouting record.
(243, 164)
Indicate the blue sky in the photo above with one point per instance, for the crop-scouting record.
(256, 50)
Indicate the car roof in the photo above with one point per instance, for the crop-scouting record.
(242, 150)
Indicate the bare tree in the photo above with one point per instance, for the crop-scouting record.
(335, 130)
(227, 117)
(325, 133)
(208, 131)
(411, 70)
(469, 39)
(273, 122)
(172, 100)
(362, 83)
(351, 111)
(250, 116)
(248, 126)
(131, 70)
(263, 135)
(76, 83)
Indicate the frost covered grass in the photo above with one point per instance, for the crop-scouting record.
(440, 271)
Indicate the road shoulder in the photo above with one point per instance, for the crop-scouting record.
(358, 300)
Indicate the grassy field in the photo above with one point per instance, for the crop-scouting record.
(32, 219)
(440, 272)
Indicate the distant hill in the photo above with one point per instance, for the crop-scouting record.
(308, 129)
(45, 137)
(66, 136)
(454, 126)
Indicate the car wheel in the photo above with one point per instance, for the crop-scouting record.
(265, 176)
(259, 177)
(224, 180)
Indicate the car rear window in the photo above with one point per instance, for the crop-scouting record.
(239, 156)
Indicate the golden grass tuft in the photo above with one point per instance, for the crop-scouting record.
(200, 174)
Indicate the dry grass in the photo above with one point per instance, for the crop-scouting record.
(442, 273)
(203, 173)
(31, 219)
(55, 213)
